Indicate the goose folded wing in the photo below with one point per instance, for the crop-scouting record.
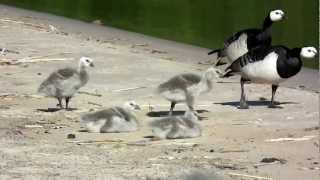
(65, 73)
(250, 57)
(235, 36)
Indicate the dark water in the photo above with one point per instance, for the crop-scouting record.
(200, 22)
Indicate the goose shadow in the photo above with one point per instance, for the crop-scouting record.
(174, 113)
(51, 110)
(255, 103)
(83, 130)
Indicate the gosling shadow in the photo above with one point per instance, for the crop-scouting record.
(51, 110)
(174, 113)
(255, 103)
(83, 130)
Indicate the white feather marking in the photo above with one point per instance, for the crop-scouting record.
(264, 71)
(237, 48)
(95, 126)
(176, 95)
(121, 125)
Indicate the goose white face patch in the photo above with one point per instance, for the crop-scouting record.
(276, 15)
(308, 52)
(86, 61)
(237, 48)
(264, 71)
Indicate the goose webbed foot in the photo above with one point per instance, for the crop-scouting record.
(243, 106)
(171, 108)
(243, 102)
(67, 103)
(60, 103)
(273, 104)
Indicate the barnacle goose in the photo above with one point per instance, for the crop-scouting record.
(243, 41)
(271, 65)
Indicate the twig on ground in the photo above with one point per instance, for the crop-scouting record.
(97, 141)
(25, 23)
(233, 151)
(49, 55)
(265, 164)
(96, 104)
(27, 60)
(33, 126)
(35, 59)
(135, 45)
(89, 93)
(304, 138)
(129, 89)
(249, 176)
(5, 95)
(38, 26)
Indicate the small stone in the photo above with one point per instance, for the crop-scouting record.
(71, 136)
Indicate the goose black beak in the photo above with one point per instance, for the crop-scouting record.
(285, 17)
(137, 107)
(91, 65)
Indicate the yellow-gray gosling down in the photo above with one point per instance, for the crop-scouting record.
(113, 120)
(177, 127)
(187, 87)
(64, 83)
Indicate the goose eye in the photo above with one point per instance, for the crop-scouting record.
(309, 50)
(87, 60)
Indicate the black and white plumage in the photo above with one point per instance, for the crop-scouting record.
(64, 83)
(177, 127)
(248, 39)
(113, 120)
(271, 65)
(186, 87)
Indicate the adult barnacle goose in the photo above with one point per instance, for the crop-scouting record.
(272, 65)
(248, 39)
(64, 83)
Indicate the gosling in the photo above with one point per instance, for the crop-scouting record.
(113, 120)
(64, 83)
(186, 87)
(177, 127)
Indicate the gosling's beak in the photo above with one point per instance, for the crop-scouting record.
(91, 64)
(137, 107)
